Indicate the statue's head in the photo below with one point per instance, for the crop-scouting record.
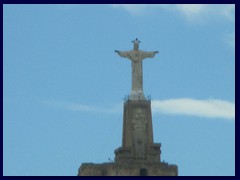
(136, 44)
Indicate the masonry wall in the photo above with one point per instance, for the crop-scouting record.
(132, 169)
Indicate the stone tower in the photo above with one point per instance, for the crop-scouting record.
(138, 155)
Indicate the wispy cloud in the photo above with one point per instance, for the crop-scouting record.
(133, 8)
(205, 11)
(230, 39)
(210, 108)
(114, 108)
(189, 11)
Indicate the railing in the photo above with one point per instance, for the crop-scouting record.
(127, 98)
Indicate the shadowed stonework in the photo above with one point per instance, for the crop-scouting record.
(138, 155)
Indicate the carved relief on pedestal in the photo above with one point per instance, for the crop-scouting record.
(139, 120)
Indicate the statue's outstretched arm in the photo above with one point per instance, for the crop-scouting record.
(150, 54)
(124, 54)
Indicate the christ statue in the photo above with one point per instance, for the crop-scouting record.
(136, 56)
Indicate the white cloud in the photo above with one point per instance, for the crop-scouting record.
(189, 11)
(210, 108)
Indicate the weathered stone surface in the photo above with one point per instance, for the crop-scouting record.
(138, 155)
(128, 169)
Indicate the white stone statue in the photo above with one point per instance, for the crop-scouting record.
(136, 56)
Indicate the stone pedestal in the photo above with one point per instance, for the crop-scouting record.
(137, 136)
(138, 155)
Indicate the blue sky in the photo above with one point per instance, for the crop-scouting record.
(64, 85)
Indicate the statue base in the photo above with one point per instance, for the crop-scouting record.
(138, 155)
(128, 169)
(137, 96)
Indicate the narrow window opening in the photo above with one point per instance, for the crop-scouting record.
(143, 172)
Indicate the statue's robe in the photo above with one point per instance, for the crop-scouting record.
(136, 56)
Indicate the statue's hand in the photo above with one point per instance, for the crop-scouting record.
(116, 51)
(156, 52)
